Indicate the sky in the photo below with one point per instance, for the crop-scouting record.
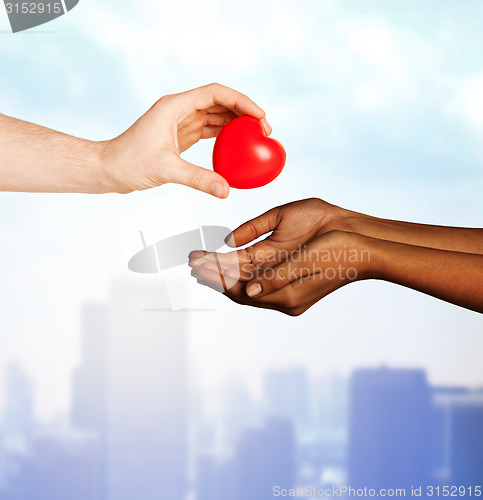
(379, 106)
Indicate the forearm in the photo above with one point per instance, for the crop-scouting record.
(455, 277)
(458, 239)
(38, 159)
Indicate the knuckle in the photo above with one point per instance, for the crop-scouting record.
(214, 86)
(165, 99)
(277, 281)
(252, 228)
(259, 255)
(196, 180)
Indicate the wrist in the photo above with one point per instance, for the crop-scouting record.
(335, 218)
(363, 255)
(85, 173)
(355, 257)
(377, 255)
(96, 168)
(354, 222)
(111, 162)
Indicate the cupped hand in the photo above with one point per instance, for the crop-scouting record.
(321, 266)
(148, 153)
(290, 226)
(298, 231)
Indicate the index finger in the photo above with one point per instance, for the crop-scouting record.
(216, 94)
(253, 229)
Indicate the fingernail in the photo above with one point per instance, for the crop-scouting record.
(266, 126)
(218, 190)
(254, 289)
(230, 241)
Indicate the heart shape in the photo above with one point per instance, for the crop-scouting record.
(245, 156)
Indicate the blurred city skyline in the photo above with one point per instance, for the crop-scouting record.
(139, 423)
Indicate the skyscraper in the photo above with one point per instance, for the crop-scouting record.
(146, 419)
(65, 465)
(286, 395)
(389, 429)
(462, 436)
(3, 467)
(238, 412)
(467, 440)
(89, 381)
(330, 404)
(443, 398)
(265, 458)
(89, 388)
(19, 410)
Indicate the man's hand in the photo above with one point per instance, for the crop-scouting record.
(38, 159)
(148, 153)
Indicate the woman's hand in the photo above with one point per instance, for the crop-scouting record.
(299, 231)
(321, 266)
(314, 249)
(291, 226)
(148, 153)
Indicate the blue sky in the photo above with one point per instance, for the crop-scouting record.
(380, 109)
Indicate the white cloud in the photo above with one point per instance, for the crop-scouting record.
(468, 101)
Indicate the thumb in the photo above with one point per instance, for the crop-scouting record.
(183, 172)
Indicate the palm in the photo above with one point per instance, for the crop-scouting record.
(201, 124)
(296, 224)
(291, 226)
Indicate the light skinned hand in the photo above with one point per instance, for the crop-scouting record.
(148, 153)
(39, 159)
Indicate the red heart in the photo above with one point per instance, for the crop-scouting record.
(245, 156)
